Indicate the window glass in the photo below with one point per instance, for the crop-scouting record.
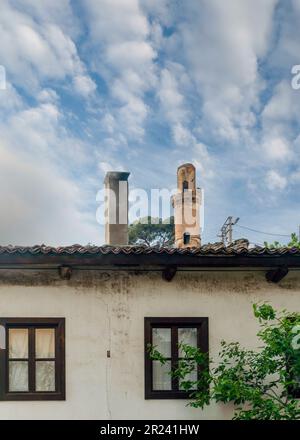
(44, 343)
(18, 343)
(161, 339)
(187, 336)
(18, 376)
(161, 376)
(45, 375)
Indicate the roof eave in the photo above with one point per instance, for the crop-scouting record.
(139, 260)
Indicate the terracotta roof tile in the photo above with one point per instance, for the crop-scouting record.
(239, 247)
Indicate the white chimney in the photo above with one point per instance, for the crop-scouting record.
(116, 215)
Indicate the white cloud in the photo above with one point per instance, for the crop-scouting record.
(104, 167)
(223, 60)
(277, 148)
(159, 10)
(84, 85)
(286, 52)
(33, 129)
(108, 123)
(47, 95)
(174, 82)
(134, 54)
(275, 181)
(39, 205)
(172, 101)
(283, 106)
(126, 22)
(182, 136)
(279, 121)
(35, 51)
(55, 11)
(124, 56)
(40, 201)
(10, 100)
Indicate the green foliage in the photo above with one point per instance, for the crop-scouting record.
(152, 232)
(259, 382)
(274, 245)
(264, 312)
(293, 243)
(155, 354)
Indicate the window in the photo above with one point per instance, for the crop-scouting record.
(166, 334)
(32, 359)
(185, 185)
(186, 238)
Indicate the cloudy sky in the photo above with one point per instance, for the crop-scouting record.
(143, 86)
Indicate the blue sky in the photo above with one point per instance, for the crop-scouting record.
(143, 86)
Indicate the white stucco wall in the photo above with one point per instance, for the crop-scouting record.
(105, 311)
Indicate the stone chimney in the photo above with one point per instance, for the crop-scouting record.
(116, 208)
(186, 205)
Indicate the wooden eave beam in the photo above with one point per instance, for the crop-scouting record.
(169, 273)
(277, 274)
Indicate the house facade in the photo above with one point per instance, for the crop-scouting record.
(73, 330)
(75, 322)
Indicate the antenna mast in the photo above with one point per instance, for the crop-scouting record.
(226, 230)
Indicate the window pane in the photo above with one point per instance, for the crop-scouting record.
(45, 375)
(187, 336)
(18, 376)
(192, 376)
(161, 376)
(44, 343)
(161, 338)
(18, 343)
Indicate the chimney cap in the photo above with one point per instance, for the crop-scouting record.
(116, 175)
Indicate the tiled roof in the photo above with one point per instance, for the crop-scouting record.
(239, 247)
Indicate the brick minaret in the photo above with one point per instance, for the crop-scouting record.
(186, 205)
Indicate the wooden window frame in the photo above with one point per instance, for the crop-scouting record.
(174, 323)
(293, 392)
(31, 324)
